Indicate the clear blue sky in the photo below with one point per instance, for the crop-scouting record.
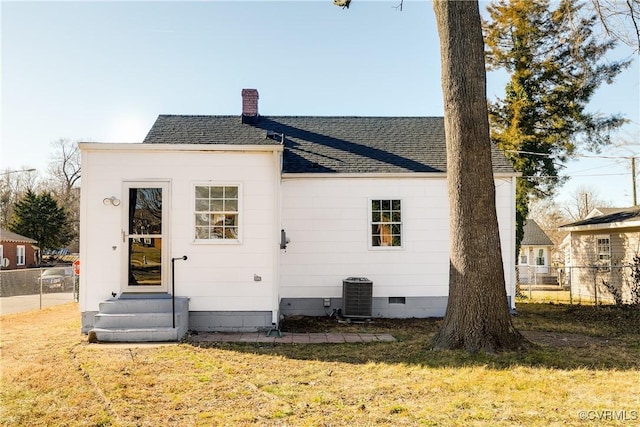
(103, 71)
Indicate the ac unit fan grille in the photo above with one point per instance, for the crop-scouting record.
(357, 297)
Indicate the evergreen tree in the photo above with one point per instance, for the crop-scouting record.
(555, 67)
(40, 217)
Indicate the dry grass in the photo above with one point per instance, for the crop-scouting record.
(587, 360)
(558, 297)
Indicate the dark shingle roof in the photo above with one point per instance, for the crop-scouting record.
(534, 235)
(326, 144)
(619, 216)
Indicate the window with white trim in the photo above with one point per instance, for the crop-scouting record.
(540, 259)
(524, 259)
(386, 223)
(217, 212)
(20, 255)
(603, 250)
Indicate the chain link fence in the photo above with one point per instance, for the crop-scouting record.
(36, 288)
(579, 284)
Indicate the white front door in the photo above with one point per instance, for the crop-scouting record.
(145, 234)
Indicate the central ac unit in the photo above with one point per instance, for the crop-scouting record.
(357, 297)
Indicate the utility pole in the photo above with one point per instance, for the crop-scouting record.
(633, 181)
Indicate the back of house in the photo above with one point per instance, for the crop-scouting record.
(276, 216)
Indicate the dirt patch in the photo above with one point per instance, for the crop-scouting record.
(559, 339)
(333, 324)
(426, 327)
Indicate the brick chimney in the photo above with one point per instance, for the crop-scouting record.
(249, 105)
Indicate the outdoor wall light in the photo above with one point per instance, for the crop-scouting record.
(113, 200)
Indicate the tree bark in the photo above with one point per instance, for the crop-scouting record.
(477, 316)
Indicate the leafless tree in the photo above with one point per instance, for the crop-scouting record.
(582, 201)
(65, 164)
(65, 171)
(620, 20)
(12, 186)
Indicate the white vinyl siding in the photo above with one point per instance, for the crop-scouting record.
(329, 224)
(219, 275)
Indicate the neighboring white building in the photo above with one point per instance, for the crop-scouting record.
(600, 250)
(277, 216)
(535, 254)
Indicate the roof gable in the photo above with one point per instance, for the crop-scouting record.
(534, 235)
(620, 218)
(603, 211)
(326, 144)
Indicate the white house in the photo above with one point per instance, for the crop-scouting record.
(275, 216)
(535, 254)
(600, 251)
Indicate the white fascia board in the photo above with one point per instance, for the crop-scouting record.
(412, 175)
(140, 147)
(601, 227)
(332, 175)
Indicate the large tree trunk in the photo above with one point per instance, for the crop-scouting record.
(477, 316)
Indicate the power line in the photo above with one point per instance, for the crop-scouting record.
(574, 176)
(587, 156)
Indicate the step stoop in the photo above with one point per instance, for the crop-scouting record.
(141, 320)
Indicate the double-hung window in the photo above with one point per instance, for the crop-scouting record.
(20, 255)
(217, 213)
(386, 223)
(524, 259)
(603, 248)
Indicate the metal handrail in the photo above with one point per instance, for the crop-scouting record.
(173, 288)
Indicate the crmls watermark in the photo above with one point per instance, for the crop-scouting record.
(609, 415)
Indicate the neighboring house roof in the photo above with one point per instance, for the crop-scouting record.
(603, 211)
(534, 235)
(326, 144)
(9, 236)
(629, 217)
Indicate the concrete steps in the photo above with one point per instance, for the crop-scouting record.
(141, 318)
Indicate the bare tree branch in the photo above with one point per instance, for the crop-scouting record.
(620, 20)
(342, 3)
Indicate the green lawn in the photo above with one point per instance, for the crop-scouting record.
(585, 365)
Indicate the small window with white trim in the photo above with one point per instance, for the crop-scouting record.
(20, 255)
(217, 213)
(603, 249)
(524, 259)
(386, 223)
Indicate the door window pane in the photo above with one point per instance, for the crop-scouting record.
(144, 243)
(145, 210)
(145, 262)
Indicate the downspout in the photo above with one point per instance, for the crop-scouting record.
(515, 255)
(277, 183)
